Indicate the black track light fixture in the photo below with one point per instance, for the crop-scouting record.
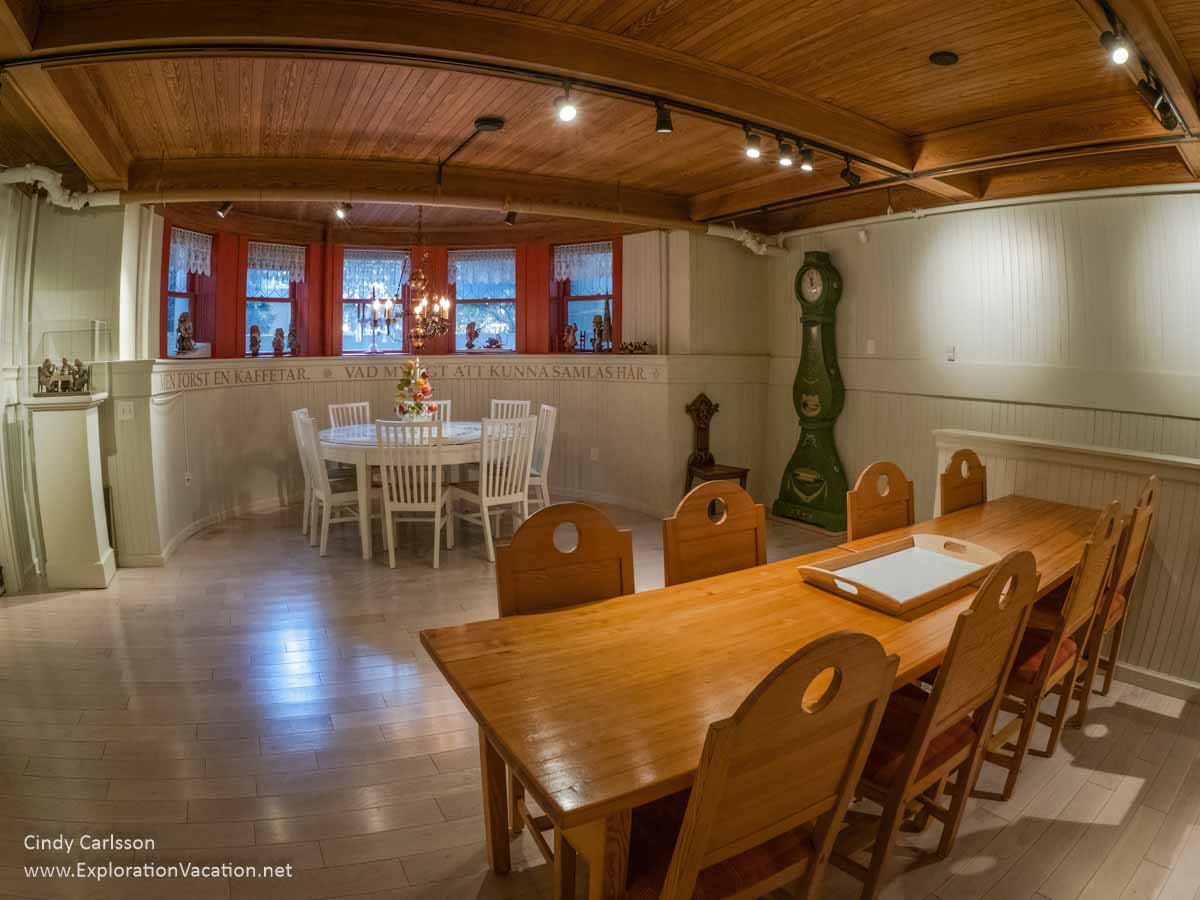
(662, 119)
(848, 175)
(510, 217)
(787, 152)
(1115, 46)
(806, 160)
(753, 144)
(225, 208)
(342, 210)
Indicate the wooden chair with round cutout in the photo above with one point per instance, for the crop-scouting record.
(1050, 658)
(932, 743)
(544, 569)
(882, 499)
(1110, 619)
(964, 483)
(773, 782)
(716, 528)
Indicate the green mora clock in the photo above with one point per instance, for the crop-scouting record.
(813, 488)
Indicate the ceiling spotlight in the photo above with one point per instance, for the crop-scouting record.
(510, 217)
(342, 210)
(753, 144)
(806, 160)
(787, 152)
(1116, 47)
(849, 176)
(225, 208)
(565, 107)
(662, 119)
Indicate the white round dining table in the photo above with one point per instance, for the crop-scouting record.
(358, 445)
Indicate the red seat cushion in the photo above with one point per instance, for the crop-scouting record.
(1033, 648)
(895, 734)
(655, 829)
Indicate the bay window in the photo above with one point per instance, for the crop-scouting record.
(485, 291)
(272, 273)
(372, 275)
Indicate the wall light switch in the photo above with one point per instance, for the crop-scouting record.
(124, 410)
(595, 454)
(870, 346)
(949, 353)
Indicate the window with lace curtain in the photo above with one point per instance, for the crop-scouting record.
(583, 274)
(485, 305)
(272, 273)
(189, 271)
(369, 275)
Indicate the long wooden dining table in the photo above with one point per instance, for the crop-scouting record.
(602, 708)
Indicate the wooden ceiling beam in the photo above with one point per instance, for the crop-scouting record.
(372, 181)
(968, 186)
(69, 108)
(18, 25)
(470, 34)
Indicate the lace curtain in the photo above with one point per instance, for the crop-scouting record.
(589, 266)
(272, 268)
(483, 274)
(383, 271)
(191, 251)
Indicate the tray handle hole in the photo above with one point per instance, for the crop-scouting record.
(954, 547)
(845, 586)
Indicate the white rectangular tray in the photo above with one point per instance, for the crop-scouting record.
(903, 575)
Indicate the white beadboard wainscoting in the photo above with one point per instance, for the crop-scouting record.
(1162, 645)
(194, 442)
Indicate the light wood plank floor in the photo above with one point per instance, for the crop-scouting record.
(252, 703)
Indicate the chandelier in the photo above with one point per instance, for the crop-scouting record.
(429, 313)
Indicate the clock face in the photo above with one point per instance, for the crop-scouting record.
(812, 284)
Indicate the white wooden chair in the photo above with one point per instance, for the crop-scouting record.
(341, 414)
(328, 497)
(297, 416)
(443, 411)
(509, 409)
(539, 470)
(505, 452)
(411, 457)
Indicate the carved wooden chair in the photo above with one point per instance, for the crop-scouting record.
(701, 465)
(1050, 656)
(882, 499)
(773, 782)
(927, 738)
(716, 528)
(1114, 608)
(534, 576)
(964, 483)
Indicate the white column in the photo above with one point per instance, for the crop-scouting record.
(66, 440)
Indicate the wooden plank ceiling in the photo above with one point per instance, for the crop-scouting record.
(181, 102)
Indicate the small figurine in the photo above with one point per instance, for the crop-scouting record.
(606, 333)
(636, 347)
(45, 376)
(255, 340)
(183, 334)
(293, 340)
(570, 337)
(472, 335)
(277, 344)
(597, 333)
(493, 343)
(79, 377)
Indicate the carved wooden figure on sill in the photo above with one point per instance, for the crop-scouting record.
(277, 344)
(472, 335)
(570, 338)
(293, 340)
(255, 340)
(184, 342)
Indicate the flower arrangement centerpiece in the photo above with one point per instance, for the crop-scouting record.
(413, 391)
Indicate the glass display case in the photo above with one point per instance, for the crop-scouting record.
(68, 356)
